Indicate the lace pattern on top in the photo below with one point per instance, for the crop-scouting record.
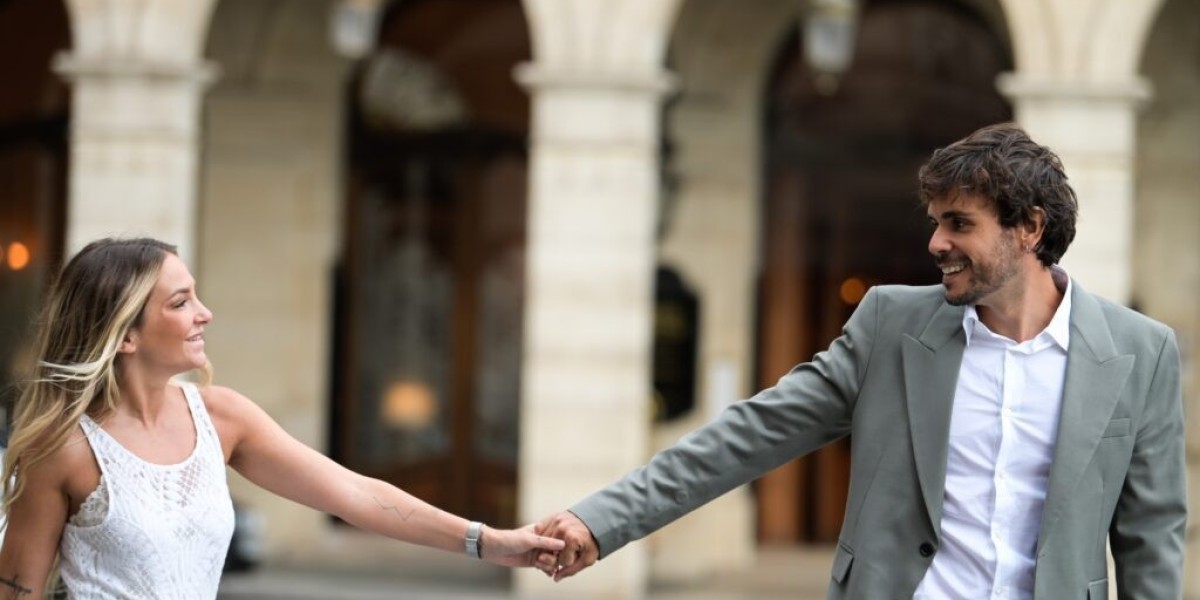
(94, 508)
(150, 531)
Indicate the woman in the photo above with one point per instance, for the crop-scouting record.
(119, 470)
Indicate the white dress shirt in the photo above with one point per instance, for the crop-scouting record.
(1003, 427)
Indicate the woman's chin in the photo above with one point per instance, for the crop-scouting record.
(198, 361)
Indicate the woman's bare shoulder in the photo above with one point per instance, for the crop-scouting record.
(73, 457)
(233, 414)
(223, 402)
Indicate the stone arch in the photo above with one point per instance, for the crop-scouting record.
(167, 32)
(1035, 48)
(713, 125)
(1092, 41)
(1128, 22)
(268, 42)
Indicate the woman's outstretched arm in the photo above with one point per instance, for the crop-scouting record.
(258, 448)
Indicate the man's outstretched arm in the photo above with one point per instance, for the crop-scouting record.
(809, 407)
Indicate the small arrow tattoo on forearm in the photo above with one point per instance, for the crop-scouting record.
(394, 509)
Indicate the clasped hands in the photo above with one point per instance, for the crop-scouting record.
(579, 549)
(559, 546)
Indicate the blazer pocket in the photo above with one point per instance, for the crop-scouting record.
(841, 563)
(1117, 428)
(1098, 590)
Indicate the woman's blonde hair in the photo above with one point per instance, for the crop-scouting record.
(99, 296)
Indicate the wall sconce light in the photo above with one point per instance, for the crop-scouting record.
(852, 290)
(18, 256)
(409, 405)
(830, 29)
(353, 26)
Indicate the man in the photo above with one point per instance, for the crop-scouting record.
(1004, 425)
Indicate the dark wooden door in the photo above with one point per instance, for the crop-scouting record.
(430, 301)
(434, 279)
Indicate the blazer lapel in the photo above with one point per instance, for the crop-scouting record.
(931, 365)
(1095, 377)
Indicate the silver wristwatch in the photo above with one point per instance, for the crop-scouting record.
(474, 532)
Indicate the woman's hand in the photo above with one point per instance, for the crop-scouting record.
(516, 547)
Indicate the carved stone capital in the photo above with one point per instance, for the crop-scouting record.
(535, 76)
(1018, 86)
(77, 68)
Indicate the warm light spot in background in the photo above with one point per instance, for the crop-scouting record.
(18, 256)
(409, 405)
(852, 291)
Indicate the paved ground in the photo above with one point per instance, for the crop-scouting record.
(792, 574)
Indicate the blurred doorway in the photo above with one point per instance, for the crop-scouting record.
(840, 211)
(33, 173)
(430, 290)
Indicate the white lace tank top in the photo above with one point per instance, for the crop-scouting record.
(151, 532)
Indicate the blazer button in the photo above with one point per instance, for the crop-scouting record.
(926, 549)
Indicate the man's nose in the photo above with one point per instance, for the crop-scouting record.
(939, 243)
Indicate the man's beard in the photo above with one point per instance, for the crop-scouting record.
(985, 278)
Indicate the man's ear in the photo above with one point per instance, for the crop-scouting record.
(1033, 228)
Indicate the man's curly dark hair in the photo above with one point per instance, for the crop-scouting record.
(1003, 165)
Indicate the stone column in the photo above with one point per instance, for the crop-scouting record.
(1092, 128)
(138, 81)
(1077, 90)
(586, 403)
(596, 83)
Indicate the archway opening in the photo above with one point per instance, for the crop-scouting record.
(840, 212)
(34, 112)
(431, 281)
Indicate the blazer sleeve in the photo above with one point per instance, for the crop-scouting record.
(809, 407)
(1147, 530)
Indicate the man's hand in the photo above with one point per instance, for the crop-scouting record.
(579, 553)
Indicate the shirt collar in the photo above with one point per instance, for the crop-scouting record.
(1059, 328)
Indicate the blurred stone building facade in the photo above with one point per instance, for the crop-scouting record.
(499, 251)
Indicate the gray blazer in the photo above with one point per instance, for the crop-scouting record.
(888, 382)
